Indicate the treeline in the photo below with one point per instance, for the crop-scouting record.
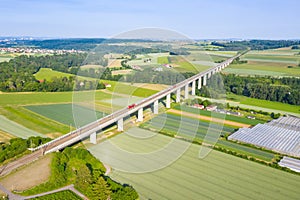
(255, 44)
(160, 77)
(79, 167)
(285, 90)
(18, 146)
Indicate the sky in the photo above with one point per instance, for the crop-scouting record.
(197, 19)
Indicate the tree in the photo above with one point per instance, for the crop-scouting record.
(100, 189)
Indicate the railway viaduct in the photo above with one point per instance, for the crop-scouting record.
(91, 129)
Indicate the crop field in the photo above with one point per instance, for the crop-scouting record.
(271, 58)
(217, 176)
(30, 98)
(125, 88)
(15, 129)
(218, 115)
(34, 121)
(264, 103)
(174, 124)
(121, 72)
(264, 68)
(63, 113)
(186, 127)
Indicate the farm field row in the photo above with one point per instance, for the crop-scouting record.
(195, 129)
(15, 129)
(218, 115)
(33, 121)
(67, 113)
(217, 176)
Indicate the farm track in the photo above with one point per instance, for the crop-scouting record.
(6, 169)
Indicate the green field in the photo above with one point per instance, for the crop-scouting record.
(29, 98)
(33, 121)
(264, 103)
(243, 120)
(264, 69)
(217, 176)
(272, 62)
(63, 113)
(186, 128)
(15, 129)
(49, 74)
(163, 60)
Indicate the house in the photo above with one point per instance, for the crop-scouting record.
(107, 85)
(211, 108)
(198, 106)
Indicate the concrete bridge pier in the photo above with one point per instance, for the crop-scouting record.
(194, 88)
(199, 83)
(120, 124)
(178, 95)
(204, 79)
(140, 115)
(155, 107)
(93, 138)
(186, 91)
(168, 101)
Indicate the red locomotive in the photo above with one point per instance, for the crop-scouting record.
(131, 106)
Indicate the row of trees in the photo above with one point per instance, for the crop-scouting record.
(255, 44)
(285, 90)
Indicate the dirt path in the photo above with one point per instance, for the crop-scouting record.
(227, 122)
(69, 187)
(108, 169)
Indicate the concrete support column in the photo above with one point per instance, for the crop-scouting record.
(199, 83)
(194, 88)
(120, 124)
(208, 74)
(186, 91)
(155, 107)
(140, 115)
(93, 138)
(178, 95)
(204, 79)
(168, 101)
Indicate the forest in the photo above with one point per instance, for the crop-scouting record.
(285, 89)
(17, 75)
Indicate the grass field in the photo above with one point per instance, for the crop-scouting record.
(271, 57)
(33, 121)
(218, 115)
(272, 62)
(63, 113)
(264, 69)
(30, 98)
(263, 103)
(15, 129)
(49, 74)
(217, 176)
(186, 128)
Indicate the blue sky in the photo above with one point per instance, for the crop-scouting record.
(198, 19)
